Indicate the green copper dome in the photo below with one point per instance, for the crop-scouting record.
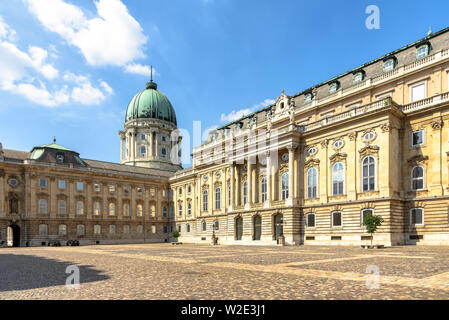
(151, 103)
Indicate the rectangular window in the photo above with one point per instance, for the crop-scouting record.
(165, 229)
(112, 229)
(153, 229)
(97, 229)
(43, 183)
(61, 184)
(366, 213)
(112, 189)
(43, 229)
(311, 220)
(97, 187)
(417, 138)
(336, 219)
(139, 229)
(62, 229)
(126, 229)
(418, 92)
(62, 207)
(80, 186)
(81, 230)
(416, 216)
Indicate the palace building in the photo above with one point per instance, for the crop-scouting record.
(306, 170)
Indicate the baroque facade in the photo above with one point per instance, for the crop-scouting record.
(307, 169)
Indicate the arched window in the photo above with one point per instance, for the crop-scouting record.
(245, 191)
(126, 209)
(62, 207)
(336, 219)
(205, 199)
(263, 189)
(418, 178)
(43, 207)
(216, 225)
(284, 186)
(204, 227)
(338, 177)
(366, 213)
(312, 183)
(310, 220)
(368, 174)
(180, 210)
(143, 151)
(217, 198)
(164, 153)
(139, 210)
(229, 196)
(189, 209)
(112, 209)
(165, 212)
(97, 208)
(80, 207)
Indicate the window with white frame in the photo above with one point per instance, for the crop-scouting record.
(180, 210)
(80, 207)
(245, 192)
(97, 187)
(338, 178)
(418, 91)
(368, 174)
(97, 229)
(284, 186)
(80, 186)
(366, 213)
(43, 206)
(358, 77)
(205, 200)
(97, 208)
(43, 183)
(112, 209)
(139, 210)
(417, 138)
(334, 86)
(189, 209)
(336, 219)
(310, 220)
(263, 190)
(417, 216)
(62, 229)
(126, 209)
(61, 184)
(217, 198)
(204, 226)
(418, 178)
(43, 229)
(389, 65)
(80, 229)
(312, 183)
(422, 51)
(62, 207)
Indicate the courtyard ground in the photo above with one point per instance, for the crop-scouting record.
(164, 271)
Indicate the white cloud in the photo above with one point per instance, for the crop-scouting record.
(41, 95)
(87, 94)
(6, 32)
(235, 115)
(140, 69)
(113, 37)
(106, 87)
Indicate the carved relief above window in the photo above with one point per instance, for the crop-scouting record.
(338, 157)
(369, 151)
(312, 163)
(437, 125)
(417, 160)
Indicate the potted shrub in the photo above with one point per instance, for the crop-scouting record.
(175, 234)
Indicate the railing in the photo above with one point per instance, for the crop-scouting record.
(425, 103)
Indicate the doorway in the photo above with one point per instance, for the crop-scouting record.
(238, 228)
(13, 236)
(278, 226)
(257, 223)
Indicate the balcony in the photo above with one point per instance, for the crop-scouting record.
(425, 103)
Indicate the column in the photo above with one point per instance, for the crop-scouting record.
(250, 181)
(269, 178)
(291, 169)
(210, 200)
(156, 150)
(231, 208)
(150, 152)
(238, 189)
(121, 147)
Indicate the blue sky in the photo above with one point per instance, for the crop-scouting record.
(68, 68)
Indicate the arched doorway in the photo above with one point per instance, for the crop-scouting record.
(13, 236)
(257, 225)
(238, 228)
(278, 226)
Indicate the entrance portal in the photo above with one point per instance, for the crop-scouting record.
(13, 236)
(257, 227)
(238, 228)
(278, 226)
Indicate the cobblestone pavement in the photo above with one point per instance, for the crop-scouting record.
(163, 271)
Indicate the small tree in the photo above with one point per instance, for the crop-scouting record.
(175, 234)
(372, 223)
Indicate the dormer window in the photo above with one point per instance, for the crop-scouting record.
(389, 64)
(308, 97)
(334, 86)
(422, 51)
(60, 158)
(359, 76)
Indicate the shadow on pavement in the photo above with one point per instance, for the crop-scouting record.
(23, 272)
